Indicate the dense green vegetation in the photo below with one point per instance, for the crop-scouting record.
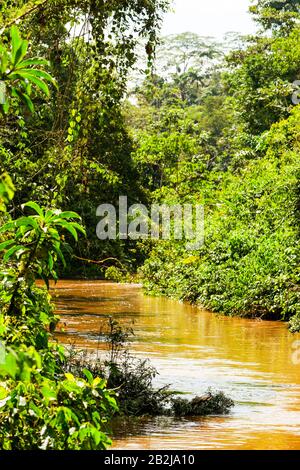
(204, 124)
(233, 146)
(250, 262)
(42, 406)
(214, 124)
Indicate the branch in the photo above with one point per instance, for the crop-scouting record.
(98, 262)
(23, 15)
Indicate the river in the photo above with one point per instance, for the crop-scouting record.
(255, 362)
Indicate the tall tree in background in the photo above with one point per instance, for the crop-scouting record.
(187, 58)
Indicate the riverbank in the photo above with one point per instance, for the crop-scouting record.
(249, 263)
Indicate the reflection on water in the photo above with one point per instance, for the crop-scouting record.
(192, 349)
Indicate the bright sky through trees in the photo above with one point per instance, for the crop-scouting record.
(209, 18)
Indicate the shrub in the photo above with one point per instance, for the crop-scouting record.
(294, 324)
(132, 379)
(41, 407)
(249, 265)
(38, 412)
(208, 404)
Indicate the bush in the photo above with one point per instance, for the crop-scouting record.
(41, 406)
(208, 404)
(38, 412)
(249, 265)
(132, 379)
(294, 324)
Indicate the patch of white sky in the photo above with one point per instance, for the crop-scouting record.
(212, 18)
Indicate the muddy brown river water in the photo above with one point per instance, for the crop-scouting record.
(257, 363)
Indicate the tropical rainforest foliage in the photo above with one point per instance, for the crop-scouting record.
(232, 144)
(204, 123)
(42, 407)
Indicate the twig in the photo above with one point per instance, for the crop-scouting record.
(98, 262)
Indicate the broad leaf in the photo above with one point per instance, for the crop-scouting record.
(33, 205)
(16, 42)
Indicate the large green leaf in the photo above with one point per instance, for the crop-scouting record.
(23, 97)
(69, 215)
(27, 101)
(6, 244)
(79, 227)
(3, 60)
(16, 42)
(40, 74)
(21, 52)
(21, 75)
(7, 227)
(56, 246)
(27, 222)
(33, 61)
(69, 228)
(12, 251)
(33, 205)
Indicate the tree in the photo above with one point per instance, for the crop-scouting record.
(261, 80)
(19, 74)
(81, 152)
(186, 59)
(278, 15)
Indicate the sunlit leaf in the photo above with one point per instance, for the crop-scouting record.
(33, 205)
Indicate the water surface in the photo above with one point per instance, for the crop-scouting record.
(254, 362)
